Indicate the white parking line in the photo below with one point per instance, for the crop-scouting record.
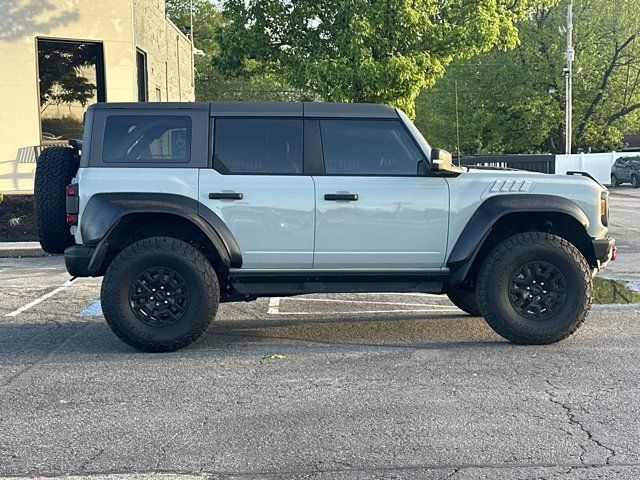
(274, 307)
(41, 299)
(335, 300)
(625, 227)
(359, 312)
(407, 294)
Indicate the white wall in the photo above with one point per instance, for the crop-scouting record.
(598, 165)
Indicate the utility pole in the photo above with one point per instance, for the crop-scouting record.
(193, 61)
(457, 126)
(568, 73)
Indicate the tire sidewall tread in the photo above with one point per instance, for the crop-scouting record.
(494, 278)
(203, 285)
(55, 170)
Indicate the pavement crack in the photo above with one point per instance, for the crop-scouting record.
(91, 459)
(452, 474)
(574, 421)
(163, 448)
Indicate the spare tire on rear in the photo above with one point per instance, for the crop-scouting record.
(56, 168)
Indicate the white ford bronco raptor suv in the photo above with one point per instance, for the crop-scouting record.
(181, 206)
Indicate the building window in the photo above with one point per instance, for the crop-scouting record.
(141, 69)
(71, 77)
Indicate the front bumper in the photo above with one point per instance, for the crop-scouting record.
(605, 250)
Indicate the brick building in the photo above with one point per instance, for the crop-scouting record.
(56, 58)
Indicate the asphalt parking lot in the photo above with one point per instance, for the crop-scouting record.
(367, 386)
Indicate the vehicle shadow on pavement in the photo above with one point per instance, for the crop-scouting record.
(402, 330)
(21, 341)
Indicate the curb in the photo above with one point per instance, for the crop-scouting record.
(21, 250)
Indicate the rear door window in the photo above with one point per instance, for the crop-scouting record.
(368, 147)
(258, 146)
(147, 139)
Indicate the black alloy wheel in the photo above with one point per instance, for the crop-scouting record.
(537, 290)
(159, 296)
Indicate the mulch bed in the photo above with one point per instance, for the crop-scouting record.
(17, 220)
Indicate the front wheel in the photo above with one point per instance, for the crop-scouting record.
(160, 294)
(534, 288)
(635, 181)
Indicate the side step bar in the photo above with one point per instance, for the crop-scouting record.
(264, 284)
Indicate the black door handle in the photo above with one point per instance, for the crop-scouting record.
(225, 196)
(352, 197)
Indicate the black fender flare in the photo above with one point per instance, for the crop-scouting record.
(491, 211)
(105, 210)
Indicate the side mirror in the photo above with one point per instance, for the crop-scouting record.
(441, 160)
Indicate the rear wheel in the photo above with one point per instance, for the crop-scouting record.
(635, 181)
(160, 294)
(55, 169)
(534, 288)
(464, 299)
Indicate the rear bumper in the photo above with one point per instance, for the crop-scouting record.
(77, 259)
(605, 250)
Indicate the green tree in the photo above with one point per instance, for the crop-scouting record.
(363, 50)
(253, 83)
(206, 19)
(513, 101)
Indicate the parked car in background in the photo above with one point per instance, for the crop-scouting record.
(626, 170)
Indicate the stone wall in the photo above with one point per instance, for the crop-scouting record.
(168, 52)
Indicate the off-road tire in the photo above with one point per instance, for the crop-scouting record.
(494, 280)
(55, 169)
(167, 253)
(614, 181)
(635, 181)
(465, 299)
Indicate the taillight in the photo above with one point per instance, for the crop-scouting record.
(604, 208)
(73, 204)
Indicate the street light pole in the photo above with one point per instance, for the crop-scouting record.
(568, 73)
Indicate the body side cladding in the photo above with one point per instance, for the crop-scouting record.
(491, 211)
(105, 210)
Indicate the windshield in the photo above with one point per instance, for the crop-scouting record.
(422, 143)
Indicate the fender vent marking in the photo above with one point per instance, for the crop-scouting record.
(512, 186)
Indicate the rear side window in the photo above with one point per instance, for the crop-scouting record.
(258, 146)
(147, 139)
(368, 147)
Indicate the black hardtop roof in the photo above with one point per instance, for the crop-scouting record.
(263, 109)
